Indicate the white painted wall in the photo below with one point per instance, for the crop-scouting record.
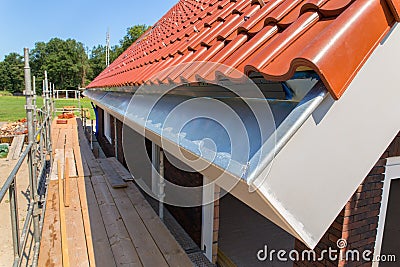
(207, 225)
(107, 126)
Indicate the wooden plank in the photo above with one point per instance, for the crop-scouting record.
(64, 236)
(112, 176)
(12, 148)
(58, 157)
(69, 154)
(19, 146)
(86, 220)
(69, 137)
(93, 165)
(50, 245)
(123, 250)
(147, 249)
(78, 254)
(101, 245)
(81, 164)
(121, 170)
(224, 261)
(169, 247)
(54, 133)
(16, 147)
(60, 143)
(66, 183)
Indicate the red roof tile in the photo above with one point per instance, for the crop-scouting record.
(277, 37)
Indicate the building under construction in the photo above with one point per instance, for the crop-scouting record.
(237, 133)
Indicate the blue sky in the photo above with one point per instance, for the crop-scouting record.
(24, 22)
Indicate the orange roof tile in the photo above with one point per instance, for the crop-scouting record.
(277, 37)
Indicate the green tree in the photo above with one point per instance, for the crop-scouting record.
(98, 54)
(4, 79)
(66, 62)
(12, 73)
(97, 59)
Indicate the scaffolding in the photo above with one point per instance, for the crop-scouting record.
(39, 157)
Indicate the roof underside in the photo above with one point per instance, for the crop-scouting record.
(275, 38)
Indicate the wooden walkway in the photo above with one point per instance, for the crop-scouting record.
(90, 222)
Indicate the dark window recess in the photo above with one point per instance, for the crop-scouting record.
(391, 235)
(188, 218)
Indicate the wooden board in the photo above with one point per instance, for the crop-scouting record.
(101, 243)
(83, 198)
(81, 164)
(121, 170)
(63, 223)
(123, 250)
(69, 154)
(104, 226)
(169, 247)
(147, 249)
(69, 138)
(60, 143)
(111, 174)
(16, 147)
(58, 156)
(88, 156)
(50, 245)
(54, 134)
(77, 251)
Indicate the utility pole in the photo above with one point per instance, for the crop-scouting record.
(108, 48)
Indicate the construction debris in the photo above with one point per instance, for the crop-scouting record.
(66, 115)
(14, 128)
(62, 122)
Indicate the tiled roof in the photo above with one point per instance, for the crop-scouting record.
(275, 38)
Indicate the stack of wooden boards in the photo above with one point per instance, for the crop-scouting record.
(95, 215)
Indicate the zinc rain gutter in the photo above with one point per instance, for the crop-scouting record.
(286, 131)
(274, 144)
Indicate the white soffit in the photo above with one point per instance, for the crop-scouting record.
(318, 171)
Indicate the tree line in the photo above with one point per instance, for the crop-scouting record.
(67, 62)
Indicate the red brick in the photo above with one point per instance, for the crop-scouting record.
(369, 234)
(337, 226)
(353, 238)
(381, 162)
(375, 178)
(378, 199)
(385, 154)
(357, 210)
(373, 226)
(377, 170)
(362, 243)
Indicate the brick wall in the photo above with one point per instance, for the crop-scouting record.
(358, 221)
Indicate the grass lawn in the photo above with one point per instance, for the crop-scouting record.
(12, 107)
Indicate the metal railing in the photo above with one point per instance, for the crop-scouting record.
(39, 157)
